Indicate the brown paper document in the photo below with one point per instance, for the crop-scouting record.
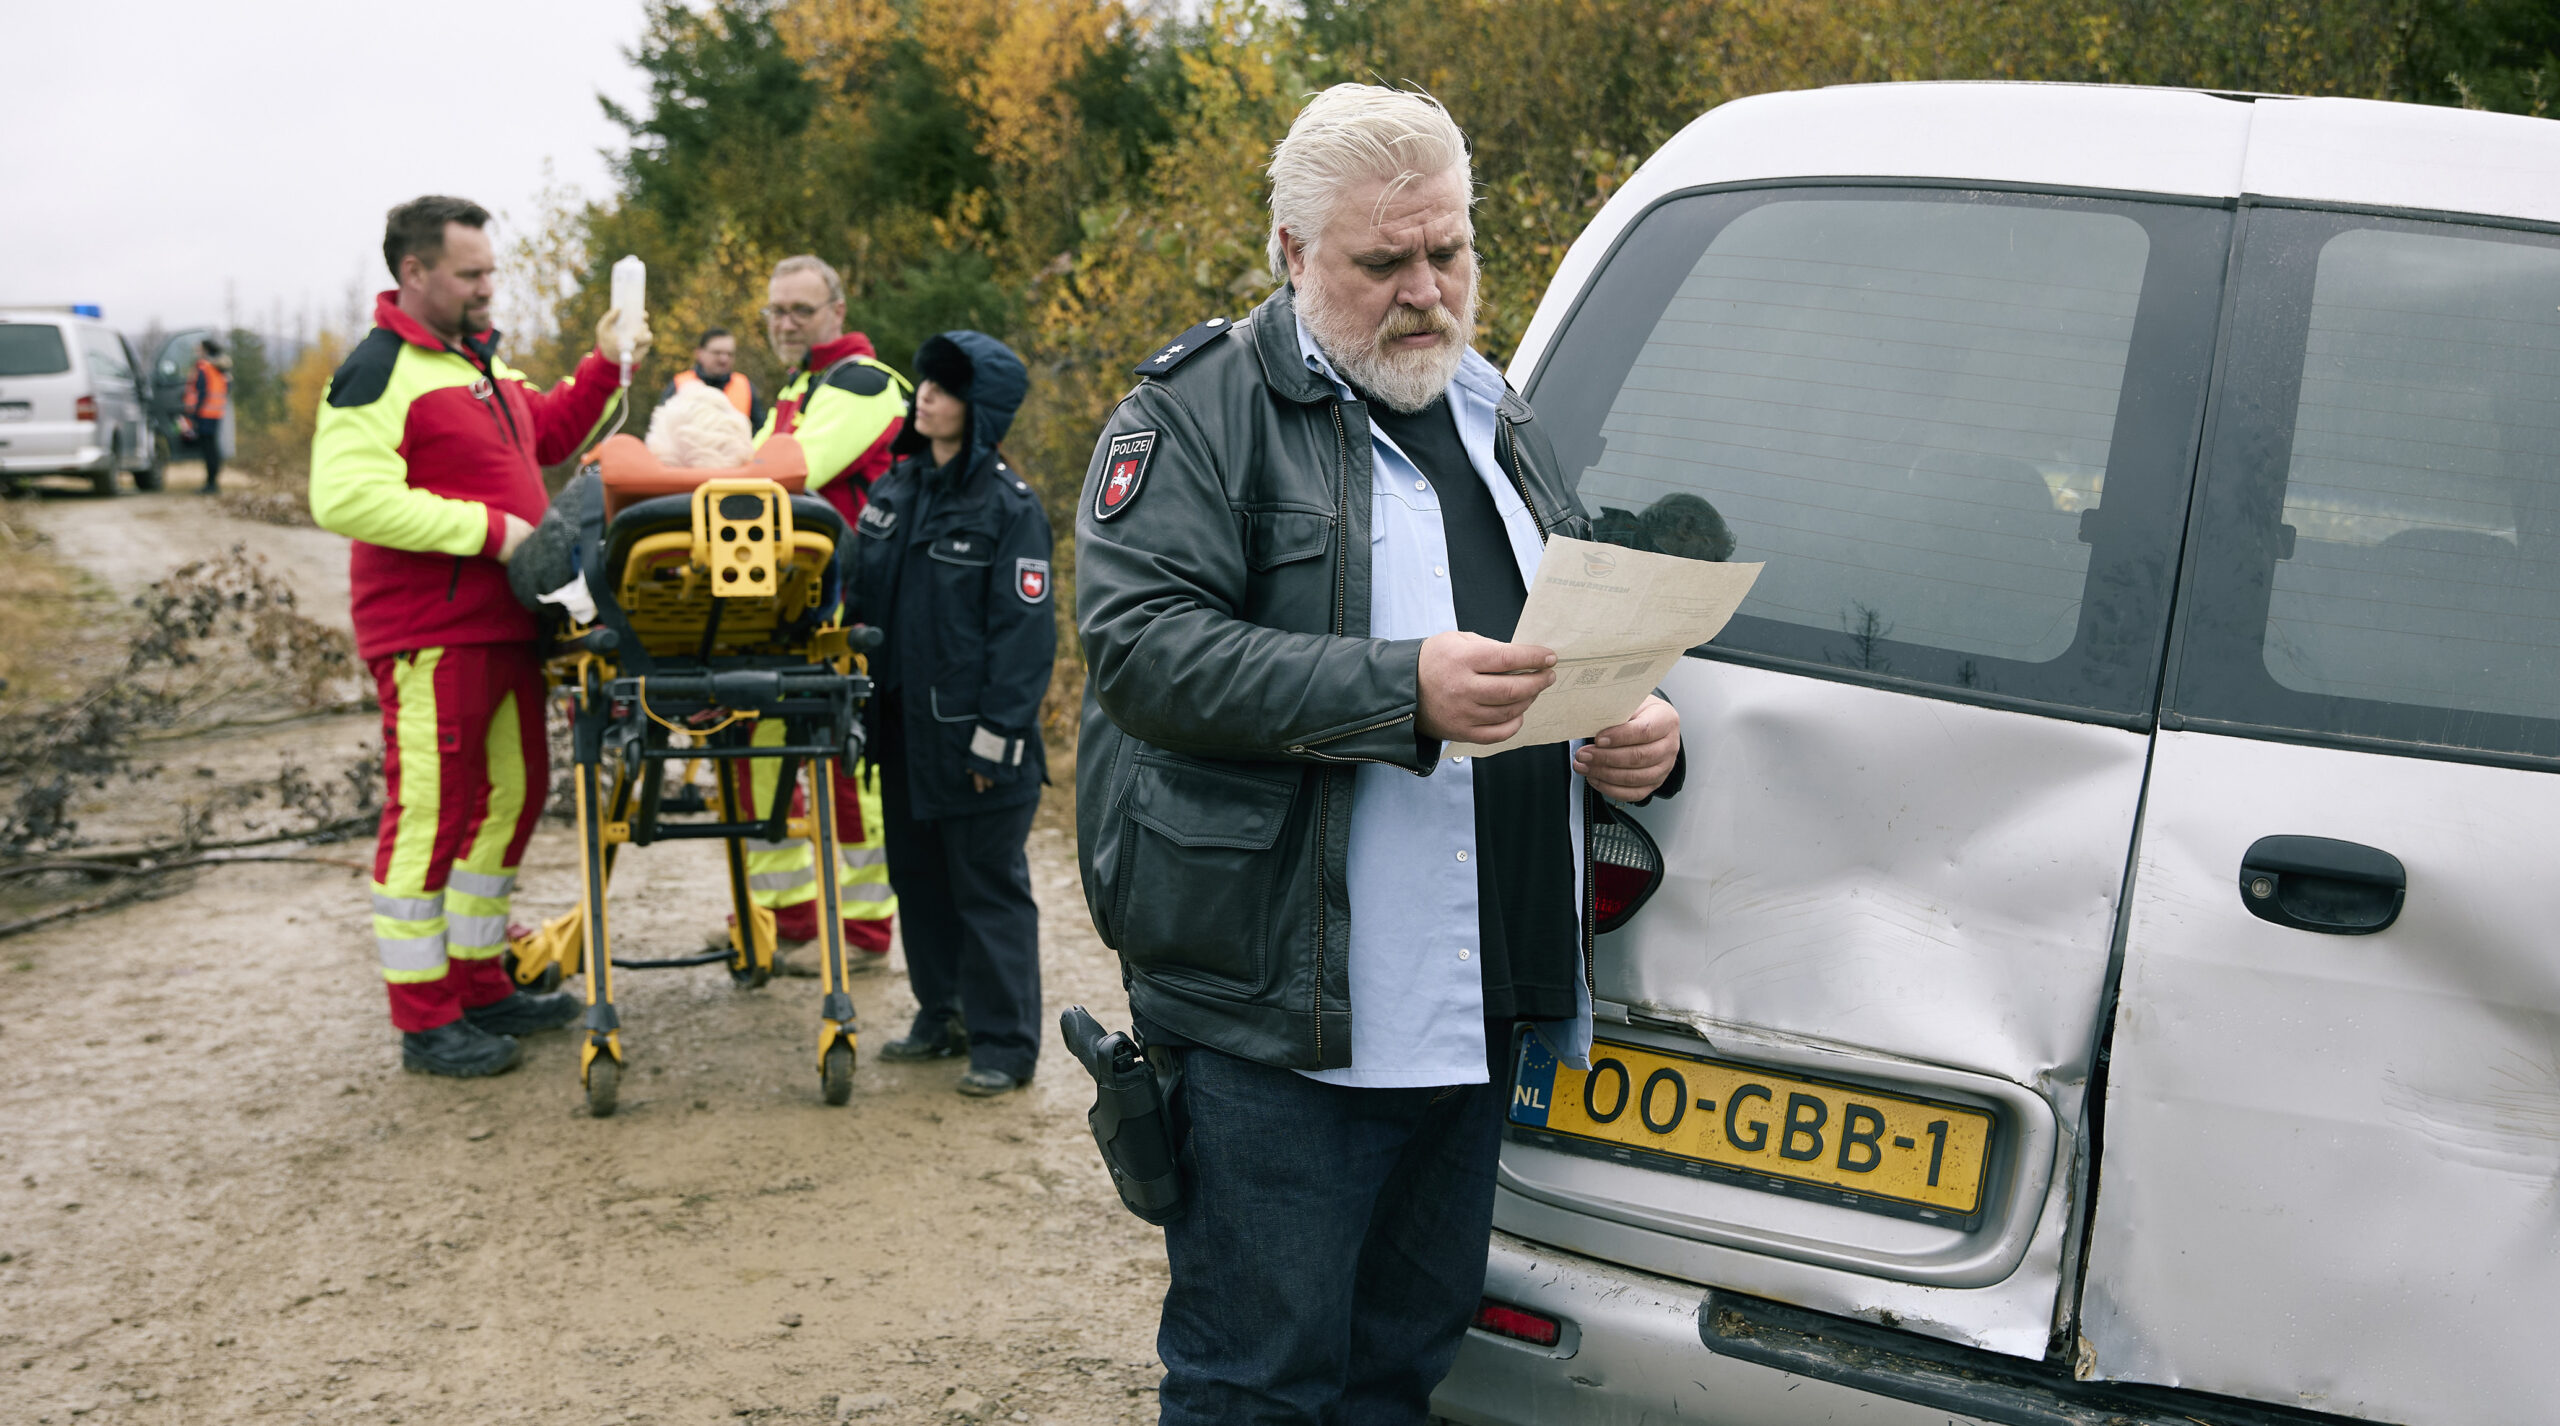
(1618, 620)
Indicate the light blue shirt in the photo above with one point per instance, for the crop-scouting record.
(1417, 989)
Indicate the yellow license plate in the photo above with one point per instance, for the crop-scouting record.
(1884, 1153)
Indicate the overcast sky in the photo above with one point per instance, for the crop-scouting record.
(153, 151)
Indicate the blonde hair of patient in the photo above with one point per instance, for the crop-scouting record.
(698, 429)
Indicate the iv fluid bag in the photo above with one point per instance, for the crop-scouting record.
(631, 299)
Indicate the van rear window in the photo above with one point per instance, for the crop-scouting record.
(2380, 554)
(32, 349)
(1958, 425)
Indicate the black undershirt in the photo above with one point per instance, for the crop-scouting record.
(1524, 845)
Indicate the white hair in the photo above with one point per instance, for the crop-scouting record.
(698, 429)
(1349, 133)
(803, 262)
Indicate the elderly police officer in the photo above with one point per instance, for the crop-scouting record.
(954, 553)
(1304, 542)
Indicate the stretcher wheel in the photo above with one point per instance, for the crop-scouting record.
(835, 1073)
(604, 1086)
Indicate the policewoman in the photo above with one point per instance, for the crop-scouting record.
(953, 566)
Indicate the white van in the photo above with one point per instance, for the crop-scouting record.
(2105, 967)
(72, 402)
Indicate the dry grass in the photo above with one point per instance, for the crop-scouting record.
(43, 621)
(214, 641)
(271, 480)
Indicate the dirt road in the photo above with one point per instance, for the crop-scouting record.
(221, 1200)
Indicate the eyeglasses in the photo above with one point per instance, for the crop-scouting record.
(797, 311)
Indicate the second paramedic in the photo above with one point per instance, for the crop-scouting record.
(844, 405)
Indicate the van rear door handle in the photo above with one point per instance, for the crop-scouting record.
(2321, 884)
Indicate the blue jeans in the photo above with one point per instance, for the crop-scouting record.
(1333, 1250)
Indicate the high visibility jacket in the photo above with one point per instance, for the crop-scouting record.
(422, 451)
(846, 425)
(209, 395)
(740, 391)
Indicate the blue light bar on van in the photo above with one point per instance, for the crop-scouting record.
(86, 309)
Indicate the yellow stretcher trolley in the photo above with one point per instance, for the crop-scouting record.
(718, 606)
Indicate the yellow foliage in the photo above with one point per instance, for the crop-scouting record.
(1017, 84)
(724, 287)
(305, 383)
(836, 41)
(1191, 249)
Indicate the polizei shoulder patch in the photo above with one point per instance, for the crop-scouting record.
(1123, 471)
(1183, 348)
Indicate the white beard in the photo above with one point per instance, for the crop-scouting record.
(1406, 381)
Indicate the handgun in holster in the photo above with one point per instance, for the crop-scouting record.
(1132, 1117)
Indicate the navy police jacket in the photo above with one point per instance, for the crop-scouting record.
(952, 565)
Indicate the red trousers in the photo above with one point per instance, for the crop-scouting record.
(466, 769)
(782, 876)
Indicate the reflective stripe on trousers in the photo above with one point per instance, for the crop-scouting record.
(784, 873)
(463, 759)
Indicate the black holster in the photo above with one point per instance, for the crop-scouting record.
(1132, 1118)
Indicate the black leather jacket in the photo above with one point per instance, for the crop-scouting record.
(1222, 591)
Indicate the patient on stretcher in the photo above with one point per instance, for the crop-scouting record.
(694, 435)
(699, 430)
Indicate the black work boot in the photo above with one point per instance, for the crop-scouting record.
(458, 1050)
(982, 1083)
(527, 1011)
(951, 1044)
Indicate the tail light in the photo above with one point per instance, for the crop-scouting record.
(1626, 866)
(1518, 1323)
(85, 409)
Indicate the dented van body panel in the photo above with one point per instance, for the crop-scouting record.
(1932, 911)
(2332, 1161)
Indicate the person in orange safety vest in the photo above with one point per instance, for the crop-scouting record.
(715, 364)
(208, 405)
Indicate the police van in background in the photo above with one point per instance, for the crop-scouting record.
(2101, 968)
(73, 401)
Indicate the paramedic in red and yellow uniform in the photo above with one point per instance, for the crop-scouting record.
(429, 455)
(844, 405)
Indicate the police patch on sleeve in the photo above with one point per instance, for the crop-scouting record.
(1123, 471)
(1031, 580)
